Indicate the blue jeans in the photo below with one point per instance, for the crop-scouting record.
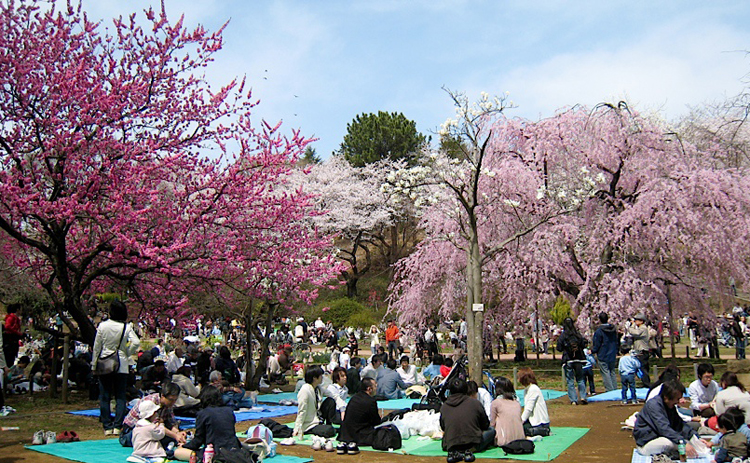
(740, 347)
(572, 377)
(113, 384)
(609, 374)
(628, 382)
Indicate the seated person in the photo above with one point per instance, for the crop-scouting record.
(465, 424)
(311, 408)
(390, 385)
(188, 403)
(732, 394)
(144, 361)
(407, 372)
(165, 399)
(362, 415)
(227, 366)
(373, 369)
(433, 369)
(446, 367)
(535, 416)
(279, 365)
(739, 419)
(175, 359)
(215, 424)
(154, 376)
(732, 444)
(481, 394)
(147, 436)
(338, 389)
(703, 391)
(658, 427)
(345, 358)
(352, 375)
(233, 396)
(505, 413)
(17, 373)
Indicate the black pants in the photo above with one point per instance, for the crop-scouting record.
(645, 378)
(10, 348)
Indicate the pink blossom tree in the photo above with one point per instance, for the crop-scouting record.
(104, 173)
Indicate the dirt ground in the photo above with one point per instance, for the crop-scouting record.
(604, 442)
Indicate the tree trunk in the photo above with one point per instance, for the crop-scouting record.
(351, 287)
(264, 342)
(671, 320)
(86, 328)
(474, 320)
(249, 376)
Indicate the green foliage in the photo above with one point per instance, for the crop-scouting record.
(374, 137)
(321, 358)
(310, 157)
(561, 310)
(110, 297)
(453, 147)
(338, 312)
(363, 319)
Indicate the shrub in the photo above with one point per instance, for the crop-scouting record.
(363, 319)
(561, 310)
(338, 311)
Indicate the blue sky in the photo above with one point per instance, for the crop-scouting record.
(317, 64)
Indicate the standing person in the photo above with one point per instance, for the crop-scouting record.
(374, 339)
(12, 334)
(738, 333)
(571, 344)
(505, 413)
(605, 347)
(391, 338)
(639, 331)
(114, 336)
(465, 424)
(629, 365)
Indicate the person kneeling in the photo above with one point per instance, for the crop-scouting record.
(465, 424)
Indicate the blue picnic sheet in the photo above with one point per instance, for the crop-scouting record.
(616, 395)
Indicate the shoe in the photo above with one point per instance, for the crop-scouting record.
(74, 436)
(316, 445)
(109, 432)
(38, 438)
(136, 459)
(469, 456)
(342, 448)
(64, 437)
(287, 441)
(352, 448)
(573, 402)
(584, 402)
(115, 431)
(329, 446)
(455, 457)
(50, 437)
(624, 402)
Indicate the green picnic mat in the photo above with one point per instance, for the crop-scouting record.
(110, 451)
(547, 449)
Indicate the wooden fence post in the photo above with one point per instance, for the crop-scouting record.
(66, 365)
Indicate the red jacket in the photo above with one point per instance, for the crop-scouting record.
(13, 324)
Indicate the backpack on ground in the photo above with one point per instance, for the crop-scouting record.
(518, 447)
(386, 438)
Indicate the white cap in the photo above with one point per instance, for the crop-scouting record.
(146, 409)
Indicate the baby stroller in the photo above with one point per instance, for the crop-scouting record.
(438, 388)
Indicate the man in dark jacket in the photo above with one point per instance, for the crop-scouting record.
(360, 418)
(352, 375)
(606, 345)
(659, 428)
(465, 424)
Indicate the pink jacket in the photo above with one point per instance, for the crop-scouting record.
(146, 437)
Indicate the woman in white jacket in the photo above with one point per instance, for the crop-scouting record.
(535, 416)
(114, 335)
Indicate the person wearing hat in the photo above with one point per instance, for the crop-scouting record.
(639, 332)
(345, 358)
(147, 435)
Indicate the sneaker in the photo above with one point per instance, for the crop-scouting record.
(136, 459)
(38, 438)
(329, 446)
(109, 432)
(573, 402)
(316, 445)
(454, 457)
(50, 437)
(287, 441)
(584, 402)
(624, 402)
(469, 456)
(115, 431)
(342, 448)
(352, 448)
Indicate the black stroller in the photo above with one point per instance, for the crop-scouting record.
(438, 388)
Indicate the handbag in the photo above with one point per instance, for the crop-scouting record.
(110, 363)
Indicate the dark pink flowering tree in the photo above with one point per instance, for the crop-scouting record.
(104, 173)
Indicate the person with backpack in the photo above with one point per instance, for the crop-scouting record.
(605, 347)
(465, 424)
(571, 344)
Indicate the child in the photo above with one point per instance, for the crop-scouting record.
(732, 443)
(588, 370)
(628, 365)
(147, 434)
